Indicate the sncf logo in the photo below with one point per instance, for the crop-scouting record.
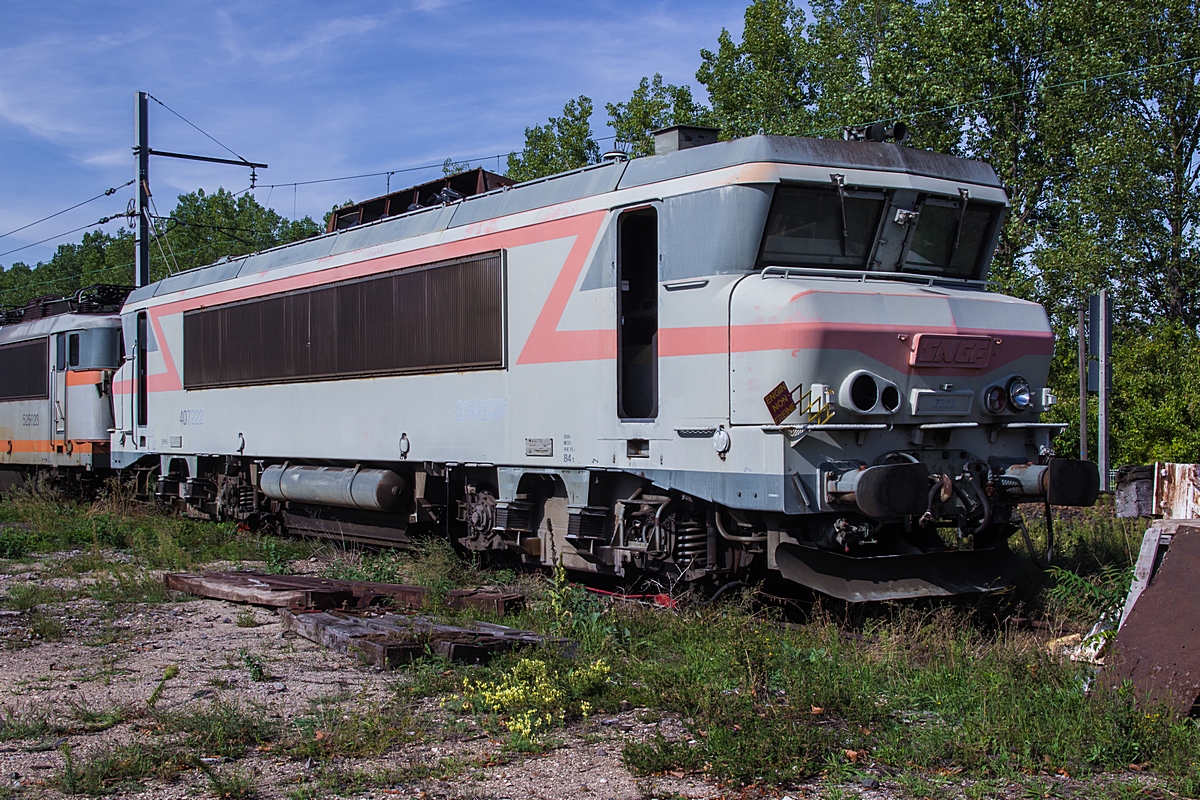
(935, 350)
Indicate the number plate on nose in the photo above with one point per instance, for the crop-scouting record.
(927, 402)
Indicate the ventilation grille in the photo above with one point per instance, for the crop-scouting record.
(437, 317)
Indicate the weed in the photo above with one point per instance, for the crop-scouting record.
(256, 668)
(155, 538)
(83, 563)
(169, 673)
(88, 720)
(532, 698)
(28, 596)
(232, 784)
(577, 613)
(220, 729)
(15, 725)
(110, 768)
(246, 618)
(129, 585)
(277, 561)
(14, 541)
(331, 730)
(1100, 594)
(837, 769)
(431, 562)
(46, 627)
(70, 781)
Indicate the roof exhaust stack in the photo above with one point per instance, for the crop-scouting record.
(681, 137)
(877, 132)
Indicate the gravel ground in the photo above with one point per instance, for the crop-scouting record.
(108, 661)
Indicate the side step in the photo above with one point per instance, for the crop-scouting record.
(874, 578)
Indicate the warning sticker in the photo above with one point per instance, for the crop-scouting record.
(780, 403)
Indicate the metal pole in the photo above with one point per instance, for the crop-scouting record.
(1102, 432)
(1083, 384)
(142, 239)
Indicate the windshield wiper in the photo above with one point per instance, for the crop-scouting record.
(965, 194)
(840, 182)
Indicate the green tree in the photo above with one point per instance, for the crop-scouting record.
(452, 167)
(653, 105)
(762, 84)
(1131, 213)
(872, 60)
(564, 143)
(201, 229)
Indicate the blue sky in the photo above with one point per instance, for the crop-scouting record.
(315, 89)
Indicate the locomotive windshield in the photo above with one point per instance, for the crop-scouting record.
(949, 240)
(818, 227)
(836, 227)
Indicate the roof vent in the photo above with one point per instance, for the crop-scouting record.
(681, 137)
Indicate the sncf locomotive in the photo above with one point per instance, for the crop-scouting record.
(769, 354)
(57, 358)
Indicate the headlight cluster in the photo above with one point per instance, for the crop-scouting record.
(868, 393)
(1015, 395)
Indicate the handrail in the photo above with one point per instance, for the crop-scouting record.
(865, 275)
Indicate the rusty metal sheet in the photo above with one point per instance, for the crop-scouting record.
(1177, 491)
(1158, 645)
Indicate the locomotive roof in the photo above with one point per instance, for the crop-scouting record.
(589, 181)
(59, 323)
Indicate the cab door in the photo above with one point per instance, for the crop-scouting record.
(58, 390)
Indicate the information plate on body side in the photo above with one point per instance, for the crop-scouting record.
(780, 403)
(942, 350)
(926, 402)
(539, 447)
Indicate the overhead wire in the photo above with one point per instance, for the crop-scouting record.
(197, 127)
(101, 221)
(390, 172)
(105, 193)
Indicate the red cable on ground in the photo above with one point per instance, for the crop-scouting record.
(664, 600)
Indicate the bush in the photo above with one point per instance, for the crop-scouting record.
(532, 698)
(14, 542)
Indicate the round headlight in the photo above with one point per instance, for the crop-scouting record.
(1019, 394)
(864, 392)
(995, 400)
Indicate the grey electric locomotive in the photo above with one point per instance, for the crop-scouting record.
(57, 357)
(771, 353)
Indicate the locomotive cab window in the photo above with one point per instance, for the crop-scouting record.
(813, 226)
(73, 349)
(951, 237)
(24, 370)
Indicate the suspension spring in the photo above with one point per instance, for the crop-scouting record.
(691, 541)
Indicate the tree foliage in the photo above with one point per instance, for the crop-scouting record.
(564, 143)
(201, 229)
(653, 105)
